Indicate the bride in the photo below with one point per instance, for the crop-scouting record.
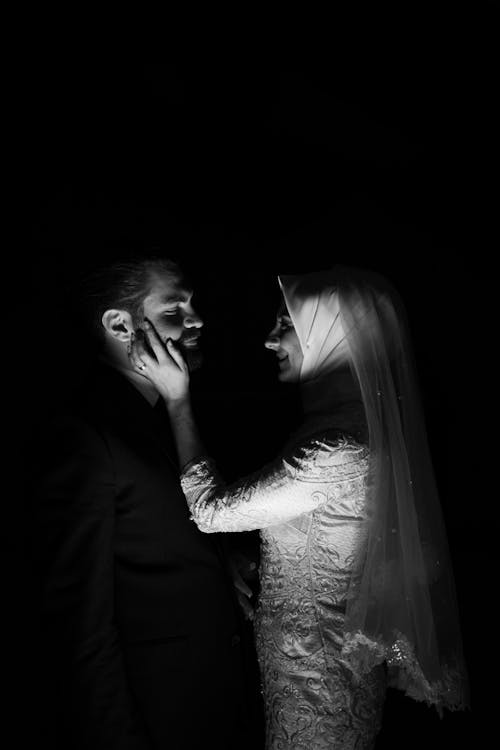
(356, 589)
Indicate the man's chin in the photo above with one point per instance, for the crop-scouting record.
(193, 357)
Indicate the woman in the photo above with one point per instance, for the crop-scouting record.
(356, 586)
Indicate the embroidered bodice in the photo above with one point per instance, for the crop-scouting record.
(310, 507)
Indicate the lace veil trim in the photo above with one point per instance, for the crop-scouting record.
(361, 654)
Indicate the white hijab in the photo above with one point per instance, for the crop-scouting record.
(313, 305)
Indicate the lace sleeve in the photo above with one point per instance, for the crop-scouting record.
(308, 477)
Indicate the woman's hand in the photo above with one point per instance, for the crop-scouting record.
(167, 370)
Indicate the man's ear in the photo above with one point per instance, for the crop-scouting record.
(118, 323)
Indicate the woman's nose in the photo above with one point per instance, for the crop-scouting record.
(272, 342)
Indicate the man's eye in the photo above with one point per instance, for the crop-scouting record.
(171, 312)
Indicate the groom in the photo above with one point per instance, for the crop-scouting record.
(140, 628)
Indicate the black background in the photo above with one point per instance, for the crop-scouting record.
(374, 152)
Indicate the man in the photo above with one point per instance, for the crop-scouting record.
(140, 629)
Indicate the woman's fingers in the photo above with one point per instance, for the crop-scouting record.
(165, 362)
(159, 349)
(168, 373)
(176, 354)
(155, 341)
(138, 355)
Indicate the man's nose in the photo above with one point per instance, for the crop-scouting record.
(193, 321)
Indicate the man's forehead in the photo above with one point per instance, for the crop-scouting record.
(169, 288)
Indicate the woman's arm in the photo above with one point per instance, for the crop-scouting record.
(316, 473)
(169, 373)
(185, 430)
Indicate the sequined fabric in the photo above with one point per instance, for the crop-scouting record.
(310, 507)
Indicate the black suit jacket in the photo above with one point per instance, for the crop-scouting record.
(139, 628)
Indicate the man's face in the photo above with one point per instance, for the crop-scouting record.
(169, 308)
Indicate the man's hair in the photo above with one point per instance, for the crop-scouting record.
(122, 285)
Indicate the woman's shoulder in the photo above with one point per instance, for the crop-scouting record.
(325, 453)
(333, 445)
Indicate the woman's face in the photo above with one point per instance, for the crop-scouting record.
(283, 340)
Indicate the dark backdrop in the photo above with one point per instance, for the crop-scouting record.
(244, 169)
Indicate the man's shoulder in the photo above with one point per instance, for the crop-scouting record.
(105, 405)
(83, 411)
(104, 412)
(103, 394)
(69, 429)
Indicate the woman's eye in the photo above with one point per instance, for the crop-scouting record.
(171, 312)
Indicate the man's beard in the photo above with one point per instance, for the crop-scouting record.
(193, 357)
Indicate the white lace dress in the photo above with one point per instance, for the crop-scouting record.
(310, 507)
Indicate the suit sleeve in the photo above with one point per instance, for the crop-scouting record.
(73, 515)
